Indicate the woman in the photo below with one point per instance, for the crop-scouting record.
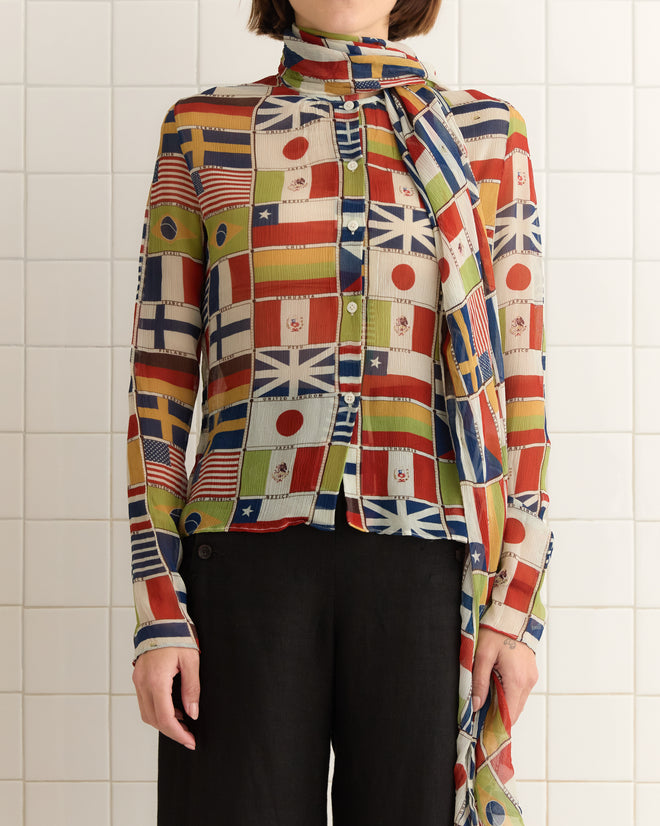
(352, 252)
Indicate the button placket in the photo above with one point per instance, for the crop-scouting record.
(348, 119)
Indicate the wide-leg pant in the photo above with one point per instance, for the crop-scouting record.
(308, 638)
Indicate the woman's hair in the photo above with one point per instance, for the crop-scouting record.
(407, 18)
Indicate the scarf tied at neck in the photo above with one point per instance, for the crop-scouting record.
(435, 155)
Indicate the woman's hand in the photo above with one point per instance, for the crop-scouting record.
(153, 676)
(514, 662)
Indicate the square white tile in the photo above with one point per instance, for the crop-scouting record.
(11, 562)
(122, 628)
(516, 59)
(579, 206)
(578, 373)
(134, 743)
(80, 231)
(647, 217)
(84, 28)
(11, 802)
(133, 803)
(68, 303)
(154, 42)
(66, 737)
(248, 57)
(67, 563)
(11, 481)
(607, 804)
(528, 740)
(647, 392)
(647, 329)
(11, 137)
(593, 564)
(119, 477)
(647, 542)
(13, 28)
(647, 629)
(11, 644)
(600, 147)
(68, 475)
(647, 732)
(11, 214)
(11, 376)
(589, 47)
(66, 650)
(130, 194)
(589, 302)
(137, 115)
(68, 389)
(578, 465)
(67, 804)
(647, 458)
(69, 129)
(602, 662)
(122, 590)
(124, 291)
(121, 371)
(11, 753)
(647, 803)
(647, 56)
(12, 307)
(599, 746)
(532, 796)
(647, 124)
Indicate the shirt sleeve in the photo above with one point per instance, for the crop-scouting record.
(516, 608)
(164, 378)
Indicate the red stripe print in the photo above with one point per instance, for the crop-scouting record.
(174, 478)
(218, 476)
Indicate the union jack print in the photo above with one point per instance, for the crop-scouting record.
(295, 372)
(407, 517)
(517, 229)
(401, 228)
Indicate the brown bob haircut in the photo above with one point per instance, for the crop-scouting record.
(407, 18)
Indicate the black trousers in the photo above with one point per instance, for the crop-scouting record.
(308, 638)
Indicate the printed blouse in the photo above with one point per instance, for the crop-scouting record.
(289, 266)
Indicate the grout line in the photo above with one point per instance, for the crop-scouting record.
(634, 414)
(24, 12)
(109, 437)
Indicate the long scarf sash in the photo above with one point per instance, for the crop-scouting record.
(435, 155)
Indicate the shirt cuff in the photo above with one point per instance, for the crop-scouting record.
(516, 609)
(164, 634)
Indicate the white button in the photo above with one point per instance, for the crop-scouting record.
(349, 398)
(349, 104)
(351, 307)
(352, 225)
(352, 165)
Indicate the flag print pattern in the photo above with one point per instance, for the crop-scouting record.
(289, 266)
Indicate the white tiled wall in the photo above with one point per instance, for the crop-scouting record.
(84, 85)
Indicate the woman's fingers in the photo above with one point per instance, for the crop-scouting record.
(166, 721)
(485, 658)
(190, 683)
(515, 664)
(153, 677)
